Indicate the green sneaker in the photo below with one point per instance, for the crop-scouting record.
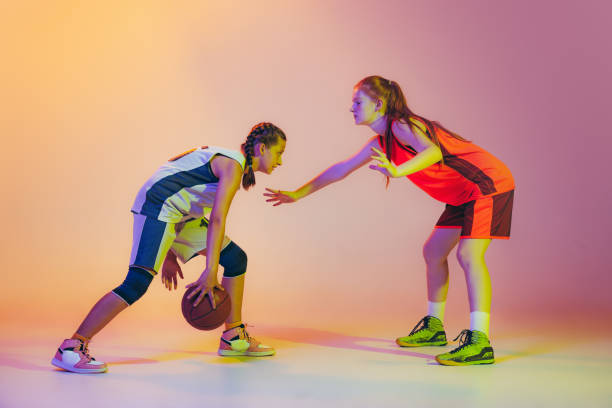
(474, 348)
(428, 332)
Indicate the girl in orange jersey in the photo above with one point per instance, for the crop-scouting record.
(476, 187)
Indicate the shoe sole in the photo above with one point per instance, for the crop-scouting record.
(464, 363)
(232, 353)
(63, 366)
(435, 343)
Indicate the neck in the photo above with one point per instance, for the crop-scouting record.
(254, 164)
(379, 125)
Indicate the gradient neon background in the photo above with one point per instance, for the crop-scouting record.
(96, 97)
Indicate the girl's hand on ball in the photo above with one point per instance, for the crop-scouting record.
(204, 286)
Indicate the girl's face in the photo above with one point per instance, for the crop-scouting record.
(365, 109)
(270, 158)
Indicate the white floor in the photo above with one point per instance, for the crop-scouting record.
(312, 368)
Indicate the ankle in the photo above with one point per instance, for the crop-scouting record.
(480, 321)
(233, 325)
(84, 339)
(436, 309)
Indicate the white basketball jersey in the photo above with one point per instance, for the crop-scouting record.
(184, 187)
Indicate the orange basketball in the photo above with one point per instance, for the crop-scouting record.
(203, 317)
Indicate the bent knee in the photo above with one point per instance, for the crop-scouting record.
(433, 255)
(135, 285)
(468, 258)
(234, 260)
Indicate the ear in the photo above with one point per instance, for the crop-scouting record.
(262, 148)
(379, 105)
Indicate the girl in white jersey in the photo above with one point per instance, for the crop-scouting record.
(180, 212)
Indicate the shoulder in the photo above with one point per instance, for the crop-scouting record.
(374, 142)
(225, 167)
(228, 153)
(413, 133)
(401, 127)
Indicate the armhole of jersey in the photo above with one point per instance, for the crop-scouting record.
(421, 125)
(406, 147)
(224, 155)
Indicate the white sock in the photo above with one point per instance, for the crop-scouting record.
(436, 309)
(480, 321)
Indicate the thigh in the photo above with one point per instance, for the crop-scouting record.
(151, 242)
(473, 247)
(191, 239)
(441, 242)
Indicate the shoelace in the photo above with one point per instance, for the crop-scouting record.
(465, 338)
(417, 328)
(83, 348)
(245, 333)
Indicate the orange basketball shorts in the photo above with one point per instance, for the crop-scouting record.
(484, 218)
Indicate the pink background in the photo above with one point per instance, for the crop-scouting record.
(96, 97)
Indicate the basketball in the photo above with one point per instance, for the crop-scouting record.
(203, 317)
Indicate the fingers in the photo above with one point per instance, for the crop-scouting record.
(173, 280)
(378, 153)
(199, 298)
(382, 170)
(211, 297)
(191, 285)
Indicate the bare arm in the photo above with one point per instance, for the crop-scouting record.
(332, 174)
(427, 152)
(229, 173)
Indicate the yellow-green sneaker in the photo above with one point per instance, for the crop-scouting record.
(474, 348)
(428, 332)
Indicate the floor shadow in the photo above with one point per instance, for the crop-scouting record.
(533, 350)
(339, 340)
(20, 364)
(167, 355)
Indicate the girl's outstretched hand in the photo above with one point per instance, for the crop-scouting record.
(204, 286)
(279, 197)
(383, 164)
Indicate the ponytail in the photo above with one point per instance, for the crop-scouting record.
(396, 108)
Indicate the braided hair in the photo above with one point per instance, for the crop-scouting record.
(266, 133)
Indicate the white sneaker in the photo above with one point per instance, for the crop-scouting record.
(237, 342)
(72, 355)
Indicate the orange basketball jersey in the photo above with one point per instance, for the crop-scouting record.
(469, 172)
